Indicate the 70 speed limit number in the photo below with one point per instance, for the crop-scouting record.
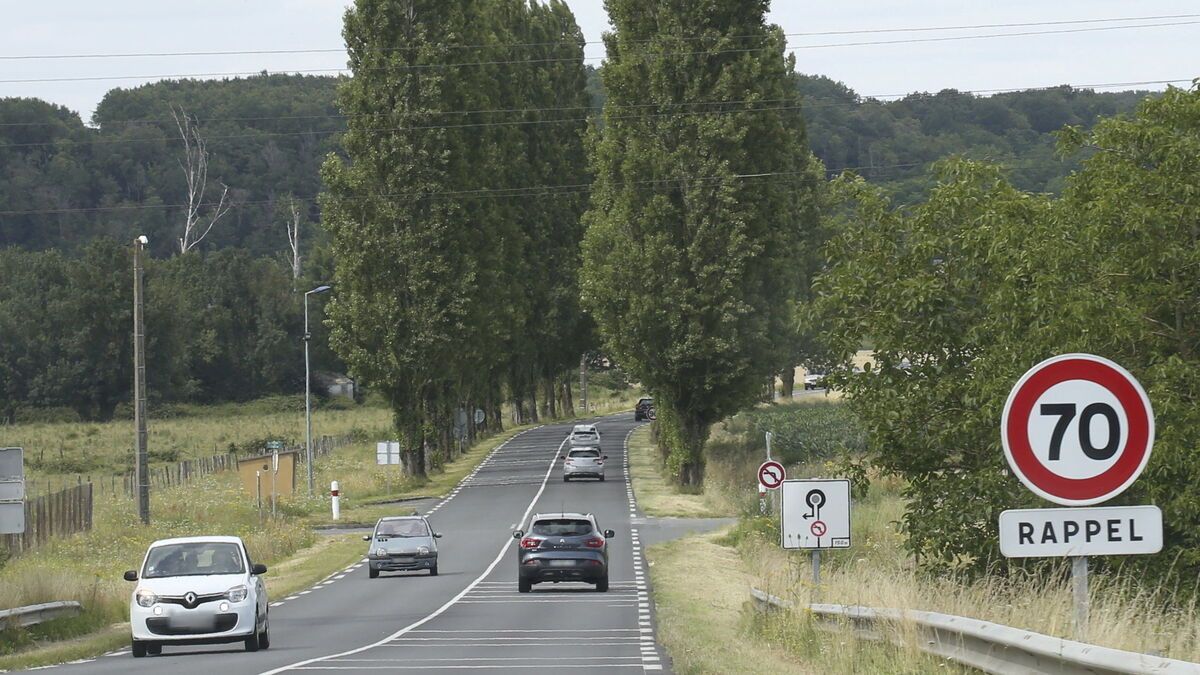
(1077, 429)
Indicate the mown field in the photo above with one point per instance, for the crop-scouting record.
(876, 572)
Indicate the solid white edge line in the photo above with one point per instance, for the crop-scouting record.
(450, 603)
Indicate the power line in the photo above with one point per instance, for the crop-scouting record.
(30, 57)
(431, 66)
(431, 127)
(522, 192)
(327, 132)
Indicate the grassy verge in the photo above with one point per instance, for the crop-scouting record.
(700, 589)
(878, 571)
(658, 497)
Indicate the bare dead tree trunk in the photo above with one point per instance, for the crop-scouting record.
(195, 172)
(293, 233)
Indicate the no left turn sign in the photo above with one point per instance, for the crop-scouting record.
(1077, 429)
(770, 474)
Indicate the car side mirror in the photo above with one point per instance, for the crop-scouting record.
(366, 537)
(609, 534)
(603, 456)
(258, 568)
(562, 456)
(518, 534)
(437, 535)
(131, 575)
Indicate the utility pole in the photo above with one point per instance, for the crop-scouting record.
(141, 474)
(308, 457)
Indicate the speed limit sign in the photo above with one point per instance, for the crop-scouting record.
(1077, 429)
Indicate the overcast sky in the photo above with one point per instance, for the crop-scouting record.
(1082, 58)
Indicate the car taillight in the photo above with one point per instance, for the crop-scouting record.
(530, 542)
(594, 542)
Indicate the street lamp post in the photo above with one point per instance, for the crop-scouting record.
(308, 457)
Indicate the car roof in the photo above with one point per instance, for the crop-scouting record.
(391, 518)
(645, 398)
(197, 540)
(584, 447)
(584, 427)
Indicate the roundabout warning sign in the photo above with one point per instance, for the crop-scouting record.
(1077, 429)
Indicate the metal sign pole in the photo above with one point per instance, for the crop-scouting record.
(816, 574)
(1079, 584)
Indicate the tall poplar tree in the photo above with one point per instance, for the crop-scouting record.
(704, 193)
(404, 272)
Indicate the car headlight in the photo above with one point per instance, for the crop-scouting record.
(422, 550)
(381, 553)
(236, 594)
(146, 597)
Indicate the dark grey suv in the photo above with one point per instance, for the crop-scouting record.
(562, 547)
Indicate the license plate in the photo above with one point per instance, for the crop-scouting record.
(562, 563)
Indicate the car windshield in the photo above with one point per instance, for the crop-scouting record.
(562, 527)
(193, 559)
(402, 528)
(585, 452)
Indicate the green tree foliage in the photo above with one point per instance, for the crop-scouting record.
(451, 281)
(962, 293)
(220, 326)
(690, 252)
(266, 137)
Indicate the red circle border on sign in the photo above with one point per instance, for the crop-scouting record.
(762, 470)
(1133, 454)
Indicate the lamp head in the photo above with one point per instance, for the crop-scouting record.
(143, 240)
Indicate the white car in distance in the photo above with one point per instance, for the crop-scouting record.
(583, 462)
(198, 590)
(584, 435)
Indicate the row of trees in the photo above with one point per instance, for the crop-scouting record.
(980, 281)
(457, 283)
(221, 326)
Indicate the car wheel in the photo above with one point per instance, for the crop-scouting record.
(138, 649)
(154, 649)
(524, 585)
(433, 570)
(601, 479)
(566, 480)
(252, 643)
(602, 585)
(372, 573)
(264, 640)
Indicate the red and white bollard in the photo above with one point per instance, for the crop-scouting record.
(337, 506)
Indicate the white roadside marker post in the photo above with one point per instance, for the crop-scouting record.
(337, 506)
(1079, 592)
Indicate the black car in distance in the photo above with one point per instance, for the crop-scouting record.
(643, 410)
(562, 547)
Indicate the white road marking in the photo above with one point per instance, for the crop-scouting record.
(450, 603)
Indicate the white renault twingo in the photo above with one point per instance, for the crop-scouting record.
(198, 590)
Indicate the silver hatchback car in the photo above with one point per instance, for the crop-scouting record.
(583, 462)
(402, 544)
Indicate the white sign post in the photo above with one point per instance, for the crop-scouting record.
(1077, 430)
(815, 514)
(12, 490)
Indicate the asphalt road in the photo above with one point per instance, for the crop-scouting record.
(470, 617)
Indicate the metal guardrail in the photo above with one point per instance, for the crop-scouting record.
(35, 614)
(987, 646)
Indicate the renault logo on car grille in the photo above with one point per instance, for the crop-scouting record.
(189, 599)
(562, 541)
